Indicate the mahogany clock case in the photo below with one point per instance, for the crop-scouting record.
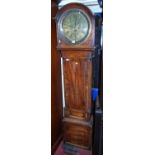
(78, 81)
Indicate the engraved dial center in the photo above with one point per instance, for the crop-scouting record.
(75, 27)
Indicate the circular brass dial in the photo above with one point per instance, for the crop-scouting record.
(75, 26)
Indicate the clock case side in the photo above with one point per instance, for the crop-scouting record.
(89, 41)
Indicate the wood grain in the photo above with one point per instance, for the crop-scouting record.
(56, 105)
(78, 133)
(78, 84)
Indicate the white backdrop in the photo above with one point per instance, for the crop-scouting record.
(92, 4)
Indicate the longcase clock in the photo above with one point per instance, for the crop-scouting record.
(75, 41)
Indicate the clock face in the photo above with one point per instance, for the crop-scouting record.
(75, 26)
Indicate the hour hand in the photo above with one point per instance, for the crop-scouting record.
(78, 26)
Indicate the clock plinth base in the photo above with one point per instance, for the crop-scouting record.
(78, 132)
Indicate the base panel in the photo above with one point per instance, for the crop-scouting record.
(78, 133)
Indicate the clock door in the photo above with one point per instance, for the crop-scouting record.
(77, 84)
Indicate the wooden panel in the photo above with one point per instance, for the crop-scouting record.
(56, 100)
(78, 133)
(78, 83)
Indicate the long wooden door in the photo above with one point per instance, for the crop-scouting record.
(77, 84)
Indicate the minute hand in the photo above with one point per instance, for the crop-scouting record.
(75, 27)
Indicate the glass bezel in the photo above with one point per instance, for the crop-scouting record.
(62, 35)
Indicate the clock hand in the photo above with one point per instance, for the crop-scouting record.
(75, 27)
